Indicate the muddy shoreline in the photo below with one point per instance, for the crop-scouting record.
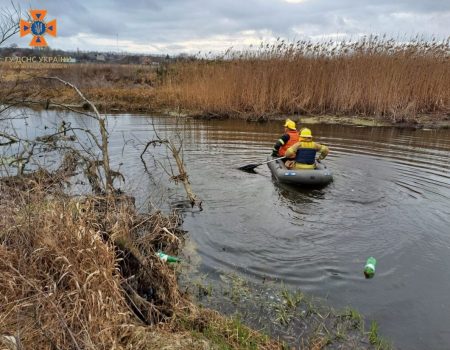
(421, 122)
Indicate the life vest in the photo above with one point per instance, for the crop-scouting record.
(306, 153)
(293, 139)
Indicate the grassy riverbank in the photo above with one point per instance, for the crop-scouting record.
(299, 320)
(373, 79)
(73, 275)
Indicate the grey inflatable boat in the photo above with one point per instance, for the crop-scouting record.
(320, 176)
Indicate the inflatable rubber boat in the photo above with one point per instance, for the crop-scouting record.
(320, 176)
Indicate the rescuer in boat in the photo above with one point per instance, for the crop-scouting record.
(288, 139)
(303, 153)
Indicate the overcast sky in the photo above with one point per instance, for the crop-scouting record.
(175, 26)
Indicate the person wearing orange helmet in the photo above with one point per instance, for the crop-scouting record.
(288, 139)
(303, 153)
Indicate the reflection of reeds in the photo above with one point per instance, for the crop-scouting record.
(374, 76)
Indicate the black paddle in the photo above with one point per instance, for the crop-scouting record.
(250, 168)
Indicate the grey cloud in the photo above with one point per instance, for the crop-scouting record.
(170, 22)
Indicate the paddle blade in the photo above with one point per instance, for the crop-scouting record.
(249, 168)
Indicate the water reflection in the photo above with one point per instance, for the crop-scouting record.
(296, 195)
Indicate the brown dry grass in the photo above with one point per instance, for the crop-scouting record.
(111, 87)
(65, 282)
(81, 273)
(61, 282)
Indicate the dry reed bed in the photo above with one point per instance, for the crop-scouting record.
(372, 77)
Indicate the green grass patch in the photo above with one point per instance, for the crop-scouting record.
(376, 340)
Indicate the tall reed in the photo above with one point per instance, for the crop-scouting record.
(372, 77)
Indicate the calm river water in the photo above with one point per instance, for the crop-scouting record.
(390, 199)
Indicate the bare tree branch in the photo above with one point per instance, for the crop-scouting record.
(182, 176)
(9, 22)
(12, 139)
(103, 131)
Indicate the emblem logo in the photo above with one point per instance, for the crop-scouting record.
(38, 27)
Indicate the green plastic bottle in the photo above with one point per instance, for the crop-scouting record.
(369, 269)
(167, 258)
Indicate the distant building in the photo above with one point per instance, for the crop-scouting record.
(145, 60)
(101, 58)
